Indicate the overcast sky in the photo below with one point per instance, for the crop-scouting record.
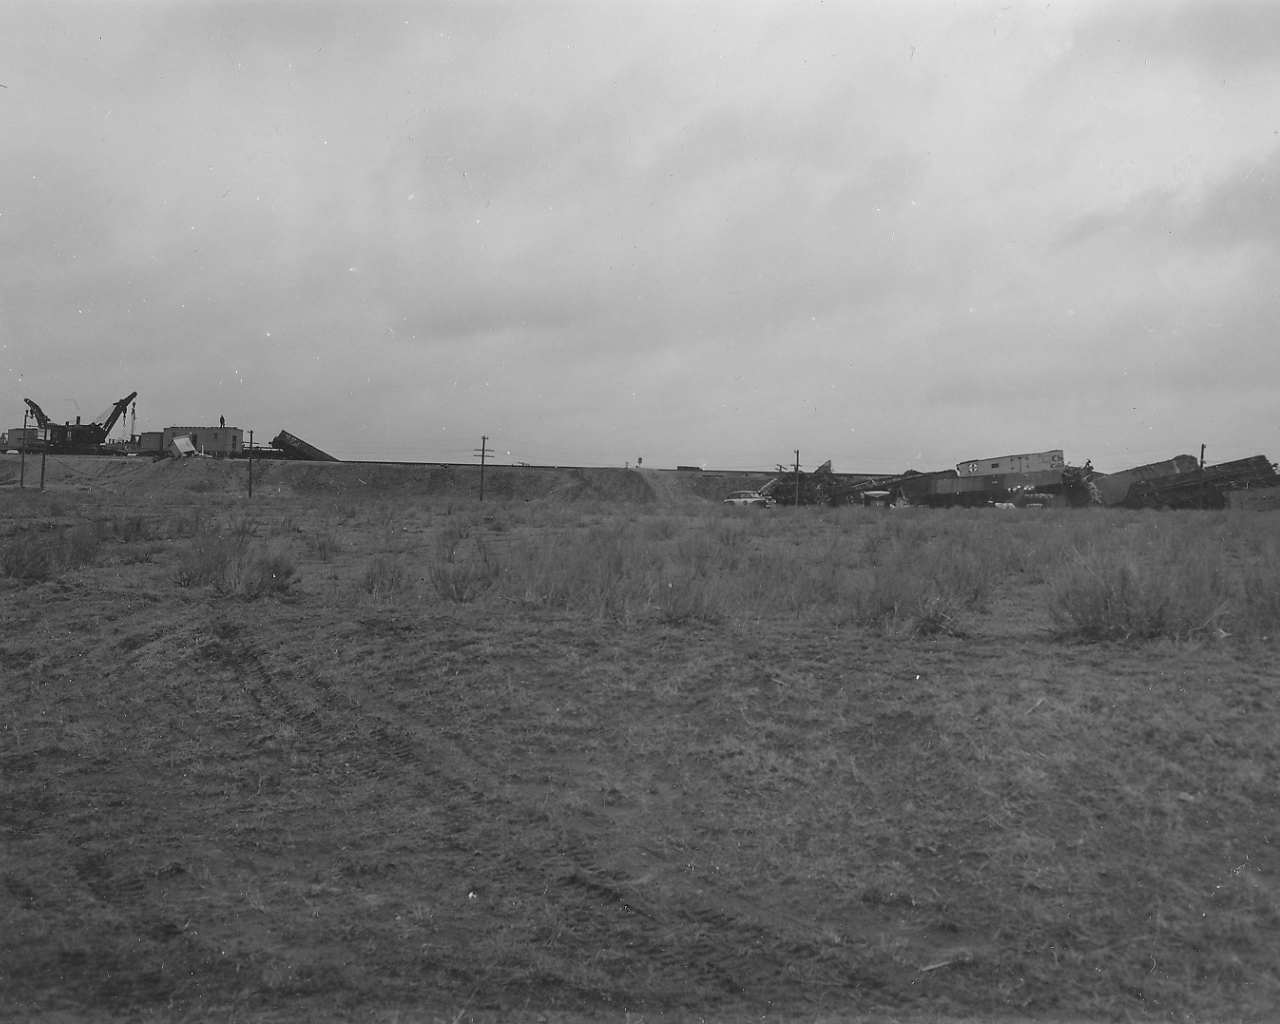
(891, 235)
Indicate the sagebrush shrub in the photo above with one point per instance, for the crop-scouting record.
(694, 552)
(450, 538)
(28, 556)
(921, 583)
(1260, 612)
(599, 570)
(234, 566)
(188, 523)
(685, 596)
(384, 579)
(730, 535)
(662, 528)
(31, 555)
(462, 582)
(325, 545)
(133, 554)
(263, 573)
(208, 558)
(79, 545)
(1116, 592)
(128, 529)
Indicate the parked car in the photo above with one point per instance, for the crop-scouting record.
(750, 498)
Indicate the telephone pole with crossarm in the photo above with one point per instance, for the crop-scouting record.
(480, 454)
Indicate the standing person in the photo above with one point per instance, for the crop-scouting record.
(222, 422)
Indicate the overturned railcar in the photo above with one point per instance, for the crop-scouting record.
(1114, 487)
(1035, 478)
(1051, 461)
(1202, 487)
(293, 447)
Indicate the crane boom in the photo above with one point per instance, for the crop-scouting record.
(42, 420)
(79, 438)
(108, 419)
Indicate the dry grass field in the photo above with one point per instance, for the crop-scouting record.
(364, 748)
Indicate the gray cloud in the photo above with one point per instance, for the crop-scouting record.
(1221, 35)
(699, 233)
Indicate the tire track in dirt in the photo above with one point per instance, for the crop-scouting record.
(461, 792)
(691, 944)
(119, 944)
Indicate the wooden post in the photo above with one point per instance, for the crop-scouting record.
(22, 456)
(1203, 501)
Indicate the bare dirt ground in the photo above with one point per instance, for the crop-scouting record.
(346, 803)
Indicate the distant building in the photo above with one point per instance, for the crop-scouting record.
(206, 440)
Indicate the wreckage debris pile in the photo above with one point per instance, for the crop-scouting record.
(1043, 479)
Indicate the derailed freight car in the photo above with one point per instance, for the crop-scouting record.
(949, 489)
(1114, 487)
(1180, 482)
(1051, 461)
(1206, 487)
(1035, 478)
(292, 447)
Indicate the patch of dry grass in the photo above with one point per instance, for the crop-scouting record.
(461, 580)
(232, 564)
(644, 758)
(385, 580)
(42, 550)
(1147, 577)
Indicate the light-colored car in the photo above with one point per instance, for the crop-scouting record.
(750, 498)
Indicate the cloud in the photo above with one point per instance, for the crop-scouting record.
(712, 232)
(1228, 36)
(1243, 207)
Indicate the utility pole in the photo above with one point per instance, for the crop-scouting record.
(251, 463)
(797, 478)
(481, 454)
(22, 458)
(44, 448)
